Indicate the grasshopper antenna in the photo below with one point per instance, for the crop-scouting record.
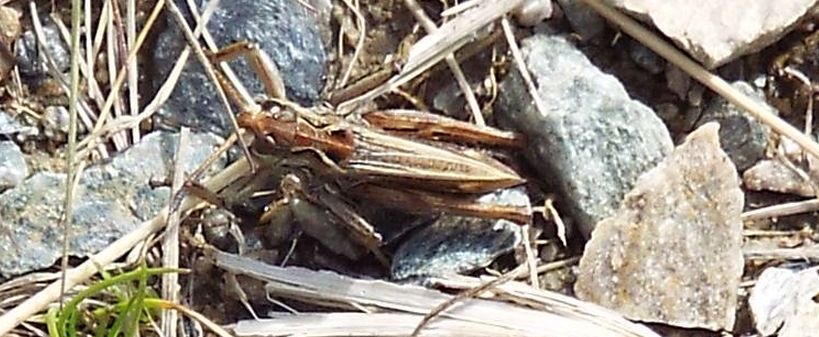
(217, 76)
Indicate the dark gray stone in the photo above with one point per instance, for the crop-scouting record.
(454, 244)
(645, 58)
(742, 136)
(593, 141)
(584, 20)
(111, 199)
(13, 168)
(284, 29)
(28, 55)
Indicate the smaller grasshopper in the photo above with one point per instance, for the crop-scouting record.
(397, 158)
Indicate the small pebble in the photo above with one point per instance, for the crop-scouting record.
(13, 167)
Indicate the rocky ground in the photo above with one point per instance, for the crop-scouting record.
(652, 196)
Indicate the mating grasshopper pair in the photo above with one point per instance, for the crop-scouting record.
(407, 160)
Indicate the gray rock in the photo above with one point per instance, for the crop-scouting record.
(784, 295)
(672, 252)
(742, 136)
(285, 31)
(802, 322)
(10, 126)
(13, 167)
(582, 18)
(111, 199)
(593, 141)
(28, 55)
(775, 176)
(711, 31)
(454, 244)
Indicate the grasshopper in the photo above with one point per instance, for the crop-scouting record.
(408, 160)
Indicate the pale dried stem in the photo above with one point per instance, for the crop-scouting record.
(715, 83)
(359, 46)
(531, 258)
(791, 208)
(114, 251)
(133, 70)
(83, 110)
(170, 241)
(463, 83)
(111, 58)
(120, 80)
(94, 91)
(521, 64)
(806, 253)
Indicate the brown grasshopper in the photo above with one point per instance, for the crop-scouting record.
(397, 158)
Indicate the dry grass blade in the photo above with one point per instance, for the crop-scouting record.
(170, 242)
(114, 251)
(120, 79)
(71, 164)
(164, 91)
(434, 47)
(559, 316)
(359, 324)
(431, 28)
(710, 80)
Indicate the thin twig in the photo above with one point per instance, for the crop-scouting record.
(720, 86)
(362, 34)
(781, 210)
(133, 74)
(430, 27)
(521, 64)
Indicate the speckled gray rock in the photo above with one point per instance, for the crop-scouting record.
(285, 31)
(672, 252)
(742, 136)
(28, 56)
(111, 199)
(716, 32)
(593, 141)
(13, 168)
(584, 20)
(454, 244)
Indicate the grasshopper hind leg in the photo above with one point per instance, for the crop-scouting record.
(261, 63)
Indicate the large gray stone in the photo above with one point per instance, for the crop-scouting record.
(284, 29)
(593, 141)
(110, 200)
(672, 252)
(716, 32)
